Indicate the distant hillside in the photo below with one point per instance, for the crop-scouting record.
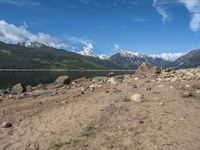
(190, 60)
(22, 57)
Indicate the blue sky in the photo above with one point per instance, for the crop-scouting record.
(147, 26)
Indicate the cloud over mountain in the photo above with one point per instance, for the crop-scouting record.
(11, 34)
(168, 56)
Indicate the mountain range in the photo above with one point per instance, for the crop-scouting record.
(40, 56)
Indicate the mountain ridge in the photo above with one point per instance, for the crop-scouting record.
(36, 55)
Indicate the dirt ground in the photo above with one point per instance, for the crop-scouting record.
(103, 118)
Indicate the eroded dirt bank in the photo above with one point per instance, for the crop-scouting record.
(102, 114)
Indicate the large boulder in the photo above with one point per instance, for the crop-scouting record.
(18, 89)
(145, 71)
(62, 80)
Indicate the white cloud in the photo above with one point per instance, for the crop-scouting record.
(116, 47)
(10, 33)
(168, 56)
(160, 6)
(88, 47)
(20, 2)
(193, 7)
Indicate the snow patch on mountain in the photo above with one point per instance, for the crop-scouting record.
(168, 56)
(130, 54)
(103, 56)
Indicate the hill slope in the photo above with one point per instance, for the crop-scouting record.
(22, 57)
(190, 60)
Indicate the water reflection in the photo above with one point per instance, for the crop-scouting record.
(9, 78)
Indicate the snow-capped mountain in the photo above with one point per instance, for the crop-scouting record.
(88, 52)
(134, 59)
(93, 54)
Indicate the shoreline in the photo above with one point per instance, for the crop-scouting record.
(70, 70)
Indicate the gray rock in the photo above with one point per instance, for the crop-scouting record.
(138, 98)
(112, 81)
(186, 94)
(18, 89)
(197, 94)
(148, 88)
(134, 86)
(6, 125)
(111, 74)
(29, 88)
(186, 87)
(196, 86)
(161, 104)
(63, 80)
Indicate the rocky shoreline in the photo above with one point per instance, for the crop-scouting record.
(146, 110)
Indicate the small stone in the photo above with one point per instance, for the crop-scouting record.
(136, 78)
(93, 86)
(186, 94)
(138, 98)
(107, 91)
(148, 88)
(6, 125)
(196, 86)
(186, 87)
(174, 79)
(112, 81)
(126, 99)
(197, 93)
(10, 96)
(161, 104)
(160, 86)
(111, 74)
(134, 86)
(168, 69)
(63, 102)
(29, 88)
(54, 93)
(73, 83)
(40, 86)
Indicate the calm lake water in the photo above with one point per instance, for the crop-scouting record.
(33, 78)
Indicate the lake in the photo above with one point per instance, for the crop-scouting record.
(33, 78)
